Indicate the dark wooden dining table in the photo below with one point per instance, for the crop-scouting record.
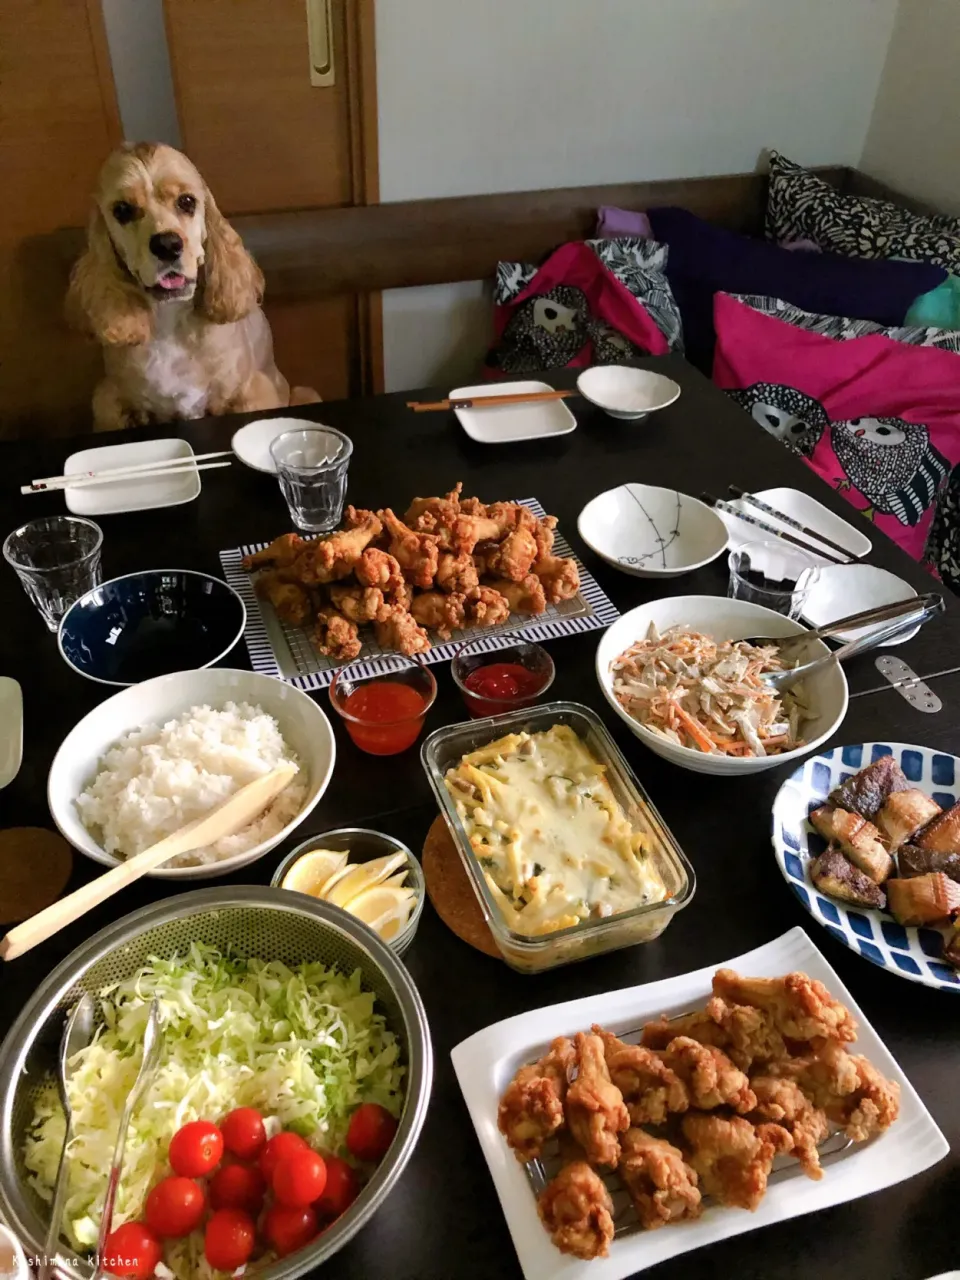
(443, 1220)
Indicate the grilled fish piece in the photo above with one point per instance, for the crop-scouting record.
(942, 835)
(836, 876)
(859, 840)
(903, 814)
(866, 792)
(923, 899)
(912, 861)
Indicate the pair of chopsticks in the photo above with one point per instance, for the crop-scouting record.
(488, 402)
(143, 470)
(846, 557)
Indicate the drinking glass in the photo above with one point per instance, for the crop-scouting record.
(312, 467)
(57, 560)
(773, 574)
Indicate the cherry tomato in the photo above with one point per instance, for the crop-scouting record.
(196, 1149)
(343, 1187)
(229, 1239)
(370, 1131)
(243, 1133)
(277, 1149)
(288, 1229)
(300, 1178)
(238, 1186)
(174, 1208)
(131, 1250)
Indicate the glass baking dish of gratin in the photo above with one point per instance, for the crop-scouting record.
(549, 782)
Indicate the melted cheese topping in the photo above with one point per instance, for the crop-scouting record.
(554, 844)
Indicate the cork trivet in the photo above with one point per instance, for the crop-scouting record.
(35, 866)
(451, 893)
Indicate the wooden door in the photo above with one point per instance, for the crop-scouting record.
(58, 120)
(267, 140)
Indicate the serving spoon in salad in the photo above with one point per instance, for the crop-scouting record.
(152, 1044)
(923, 608)
(235, 813)
(77, 1033)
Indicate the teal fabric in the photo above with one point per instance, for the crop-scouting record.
(938, 309)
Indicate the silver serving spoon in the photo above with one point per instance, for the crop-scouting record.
(780, 680)
(152, 1044)
(77, 1033)
(881, 613)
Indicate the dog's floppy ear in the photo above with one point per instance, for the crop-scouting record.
(101, 301)
(232, 281)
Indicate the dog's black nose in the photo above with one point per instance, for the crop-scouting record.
(167, 246)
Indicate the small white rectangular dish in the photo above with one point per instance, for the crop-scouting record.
(509, 423)
(135, 493)
(800, 506)
(486, 1062)
(11, 730)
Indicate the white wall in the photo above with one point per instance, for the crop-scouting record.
(914, 137)
(141, 70)
(504, 95)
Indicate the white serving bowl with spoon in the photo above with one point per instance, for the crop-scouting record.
(626, 393)
(652, 532)
(825, 692)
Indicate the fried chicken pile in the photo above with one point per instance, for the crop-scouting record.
(763, 1071)
(449, 563)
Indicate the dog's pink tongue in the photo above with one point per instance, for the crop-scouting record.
(172, 282)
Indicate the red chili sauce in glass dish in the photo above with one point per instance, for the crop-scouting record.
(384, 715)
(492, 683)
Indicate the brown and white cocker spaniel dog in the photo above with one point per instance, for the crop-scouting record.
(168, 290)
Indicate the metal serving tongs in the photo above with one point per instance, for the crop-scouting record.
(152, 1043)
(912, 613)
(77, 1032)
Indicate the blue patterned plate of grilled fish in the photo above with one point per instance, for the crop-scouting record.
(910, 952)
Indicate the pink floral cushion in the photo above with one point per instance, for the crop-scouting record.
(877, 419)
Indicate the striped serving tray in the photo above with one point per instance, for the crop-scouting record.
(278, 649)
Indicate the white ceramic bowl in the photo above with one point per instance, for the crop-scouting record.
(627, 393)
(724, 619)
(252, 443)
(651, 532)
(304, 727)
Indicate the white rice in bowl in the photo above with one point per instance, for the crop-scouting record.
(159, 777)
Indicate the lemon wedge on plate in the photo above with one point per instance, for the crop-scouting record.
(360, 877)
(313, 872)
(386, 908)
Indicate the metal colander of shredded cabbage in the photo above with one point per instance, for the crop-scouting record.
(304, 1046)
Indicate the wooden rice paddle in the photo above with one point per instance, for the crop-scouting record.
(235, 813)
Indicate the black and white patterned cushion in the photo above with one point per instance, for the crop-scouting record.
(803, 206)
(844, 328)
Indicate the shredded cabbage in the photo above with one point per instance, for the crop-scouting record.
(304, 1046)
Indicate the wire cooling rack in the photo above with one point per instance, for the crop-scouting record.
(278, 649)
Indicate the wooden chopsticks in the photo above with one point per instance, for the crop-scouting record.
(719, 505)
(487, 402)
(143, 470)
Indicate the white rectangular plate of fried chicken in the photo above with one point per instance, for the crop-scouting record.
(747, 1082)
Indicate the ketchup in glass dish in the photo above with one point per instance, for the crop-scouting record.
(492, 683)
(384, 715)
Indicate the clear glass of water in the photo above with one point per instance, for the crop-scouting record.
(773, 574)
(57, 560)
(312, 465)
